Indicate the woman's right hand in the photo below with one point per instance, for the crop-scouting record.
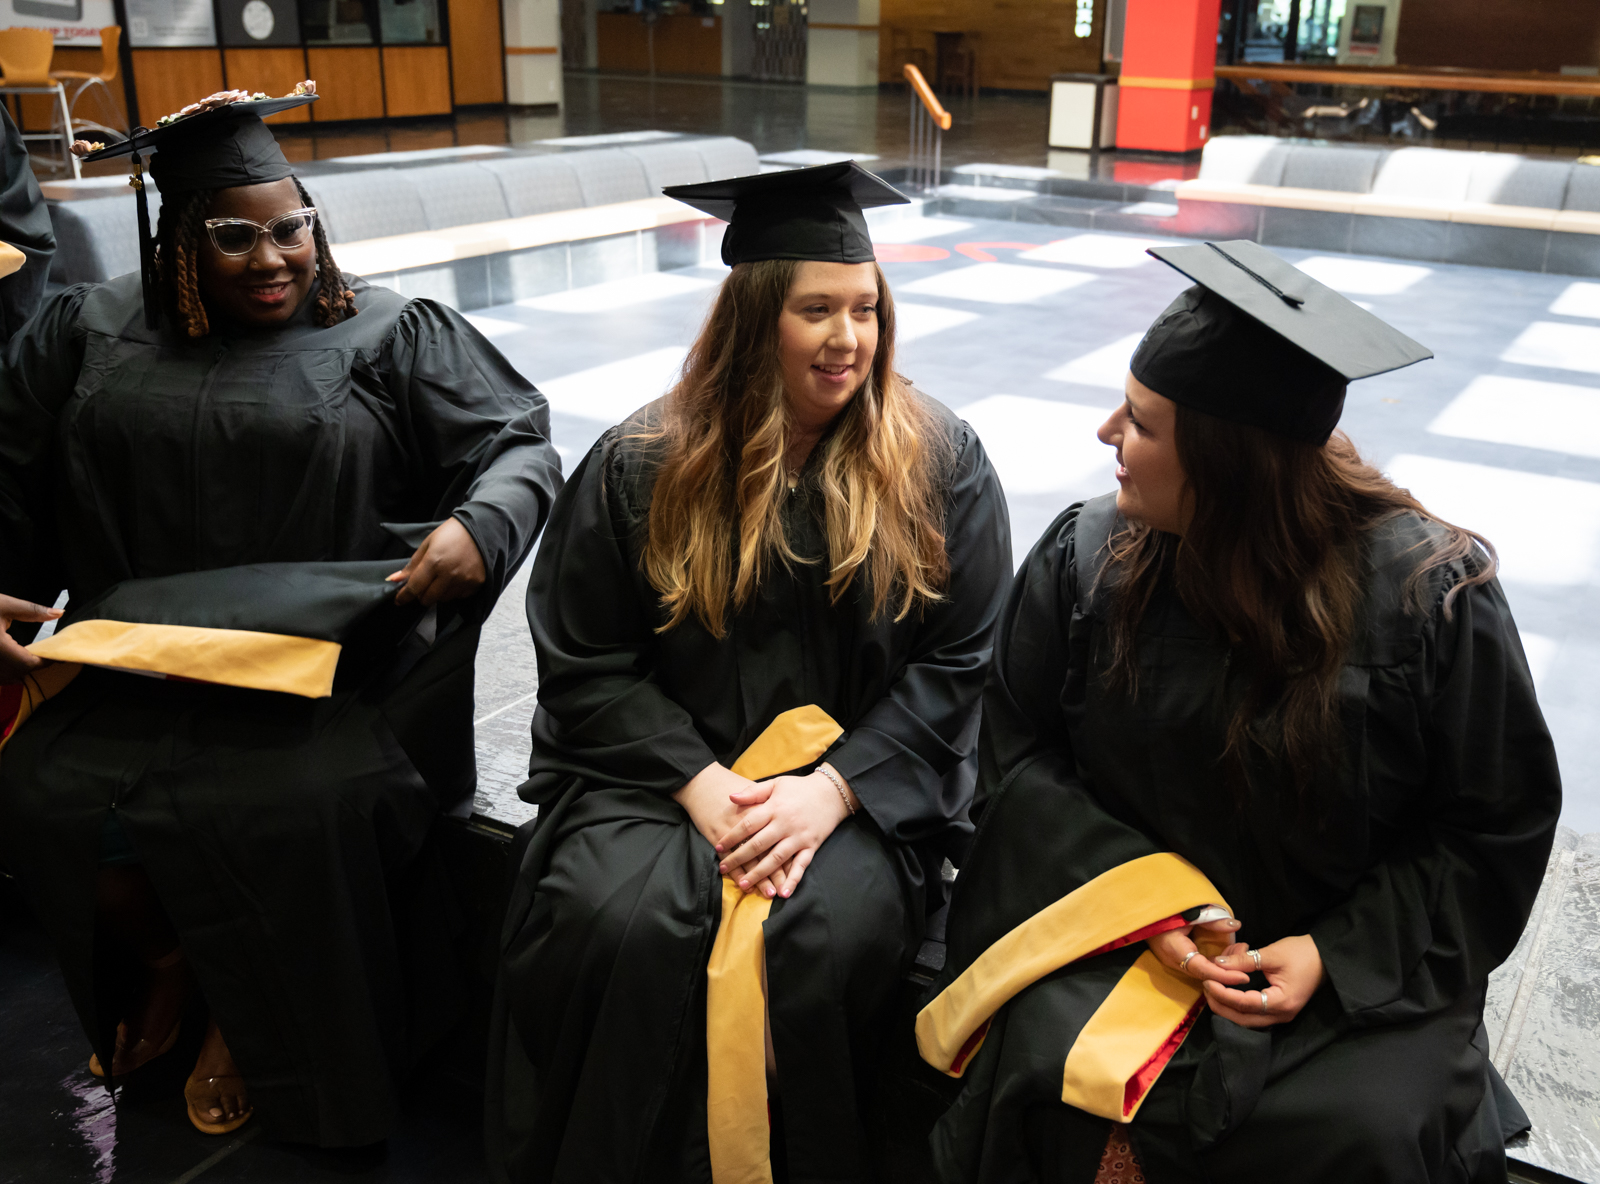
(706, 799)
(1173, 948)
(15, 662)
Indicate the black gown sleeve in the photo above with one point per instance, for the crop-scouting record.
(1447, 906)
(482, 430)
(602, 711)
(41, 370)
(1042, 833)
(25, 225)
(899, 752)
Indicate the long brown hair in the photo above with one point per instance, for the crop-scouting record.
(180, 230)
(1272, 561)
(715, 523)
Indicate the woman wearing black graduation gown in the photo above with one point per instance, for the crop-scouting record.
(253, 445)
(1260, 680)
(792, 528)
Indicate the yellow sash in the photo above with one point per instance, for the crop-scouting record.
(736, 999)
(232, 657)
(1109, 1069)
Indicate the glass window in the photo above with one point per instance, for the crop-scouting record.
(410, 22)
(338, 22)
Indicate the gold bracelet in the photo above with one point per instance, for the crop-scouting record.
(837, 784)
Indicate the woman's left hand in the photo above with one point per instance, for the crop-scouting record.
(1294, 971)
(446, 567)
(787, 819)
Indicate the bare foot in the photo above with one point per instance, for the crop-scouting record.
(216, 1090)
(149, 1030)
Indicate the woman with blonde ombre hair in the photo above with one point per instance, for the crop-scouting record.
(763, 613)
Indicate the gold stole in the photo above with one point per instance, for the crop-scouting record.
(737, 1122)
(233, 657)
(1126, 1043)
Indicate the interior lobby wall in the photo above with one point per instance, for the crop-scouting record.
(1499, 34)
(1019, 45)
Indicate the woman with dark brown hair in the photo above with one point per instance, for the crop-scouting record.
(1264, 793)
(762, 610)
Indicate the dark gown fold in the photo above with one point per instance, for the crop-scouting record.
(284, 835)
(600, 1070)
(1414, 874)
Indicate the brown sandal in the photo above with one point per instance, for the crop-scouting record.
(201, 1094)
(144, 1051)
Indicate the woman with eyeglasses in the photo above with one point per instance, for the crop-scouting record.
(246, 448)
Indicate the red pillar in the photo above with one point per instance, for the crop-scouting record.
(1169, 54)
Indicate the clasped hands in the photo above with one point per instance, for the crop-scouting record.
(765, 832)
(1293, 968)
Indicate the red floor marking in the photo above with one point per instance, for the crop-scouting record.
(908, 253)
(977, 251)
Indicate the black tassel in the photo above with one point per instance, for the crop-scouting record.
(147, 246)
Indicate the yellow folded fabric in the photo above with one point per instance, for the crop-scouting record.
(1145, 1009)
(232, 657)
(1138, 1013)
(737, 1122)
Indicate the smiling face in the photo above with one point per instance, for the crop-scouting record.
(266, 286)
(1155, 490)
(827, 338)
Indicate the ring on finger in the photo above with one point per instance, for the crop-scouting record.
(1255, 956)
(1184, 965)
(1263, 995)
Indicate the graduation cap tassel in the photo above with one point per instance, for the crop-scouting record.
(147, 247)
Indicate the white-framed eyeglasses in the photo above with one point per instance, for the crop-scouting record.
(238, 236)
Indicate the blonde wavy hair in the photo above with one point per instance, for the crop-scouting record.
(715, 523)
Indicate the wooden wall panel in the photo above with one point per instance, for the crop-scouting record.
(416, 80)
(684, 43)
(1498, 34)
(350, 82)
(1020, 42)
(276, 71)
(476, 58)
(167, 79)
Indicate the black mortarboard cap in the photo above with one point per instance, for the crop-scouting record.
(220, 145)
(810, 213)
(1258, 341)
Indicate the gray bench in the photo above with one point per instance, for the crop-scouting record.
(1481, 208)
(97, 236)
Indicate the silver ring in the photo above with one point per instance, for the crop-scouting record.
(1255, 956)
(1263, 995)
(1184, 965)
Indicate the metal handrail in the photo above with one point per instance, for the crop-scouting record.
(919, 86)
(929, 122)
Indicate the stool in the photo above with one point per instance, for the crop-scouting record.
(25, 70)
(110, 66)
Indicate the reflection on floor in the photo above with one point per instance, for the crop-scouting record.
(797, 124)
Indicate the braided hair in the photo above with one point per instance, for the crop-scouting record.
(180, 231)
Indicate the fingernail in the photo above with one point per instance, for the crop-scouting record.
(1222, 961)
(719, 848)
(768, 891)
(1233, 924)
(744, 883)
